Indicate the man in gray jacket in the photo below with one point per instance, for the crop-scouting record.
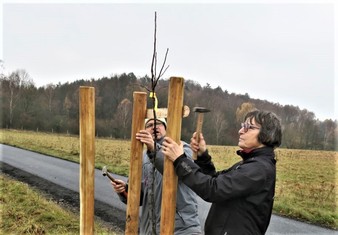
(186, 217)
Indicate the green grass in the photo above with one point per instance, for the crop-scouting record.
(113, 153)
(306, 186)
(26, 211)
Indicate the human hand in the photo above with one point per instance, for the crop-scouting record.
(118, 185)
(146, 138)
(171, 149)
(200, 147)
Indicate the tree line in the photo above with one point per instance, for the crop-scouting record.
(55, 108)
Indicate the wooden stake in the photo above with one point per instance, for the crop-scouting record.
(87, 153)
(135, 170)
(175, 104)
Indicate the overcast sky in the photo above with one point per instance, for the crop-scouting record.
(283, 53)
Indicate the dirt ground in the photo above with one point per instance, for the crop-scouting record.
(113, 218)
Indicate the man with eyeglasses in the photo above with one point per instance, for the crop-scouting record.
(241, 196)
(186, 217)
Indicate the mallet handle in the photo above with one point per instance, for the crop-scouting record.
(124, 193)
(198, 131)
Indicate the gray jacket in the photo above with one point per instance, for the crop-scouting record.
(186, 218)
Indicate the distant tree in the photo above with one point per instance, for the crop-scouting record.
(67, 105)
(123, 116)
(12, 88)
(27, 107)
(215, 122)
(207, 86)
(220, 123)
(243, 110)
(50, 93)
(329, 138)
(28, 97)
(2, 69)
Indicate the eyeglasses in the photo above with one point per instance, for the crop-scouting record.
(248, 126)
(151, 125)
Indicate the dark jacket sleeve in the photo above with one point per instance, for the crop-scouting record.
(159, 159)
(240, 181)
(205, 163)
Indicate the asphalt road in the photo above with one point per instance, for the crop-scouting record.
(61, 179)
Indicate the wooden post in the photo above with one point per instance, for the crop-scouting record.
(87, 153)
(135, 170)
(169, 189)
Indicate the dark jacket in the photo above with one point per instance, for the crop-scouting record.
(241, 196)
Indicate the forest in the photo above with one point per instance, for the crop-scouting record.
(55, 108)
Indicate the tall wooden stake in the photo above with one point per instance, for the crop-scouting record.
(175, 107)
(87, 153)
(135, 170)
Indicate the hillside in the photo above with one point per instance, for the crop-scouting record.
(55, 108)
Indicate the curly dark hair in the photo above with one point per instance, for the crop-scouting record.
(271, 131)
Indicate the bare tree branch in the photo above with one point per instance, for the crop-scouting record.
(154, 76)
(153, 62)
(154, 80)
(161, 71)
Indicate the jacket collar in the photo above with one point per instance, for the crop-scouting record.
(266, 151)
(160, 141)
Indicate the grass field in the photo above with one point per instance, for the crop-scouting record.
(26, 211)
(306, 187)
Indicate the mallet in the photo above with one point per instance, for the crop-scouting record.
(106, 173)
(200, 111)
